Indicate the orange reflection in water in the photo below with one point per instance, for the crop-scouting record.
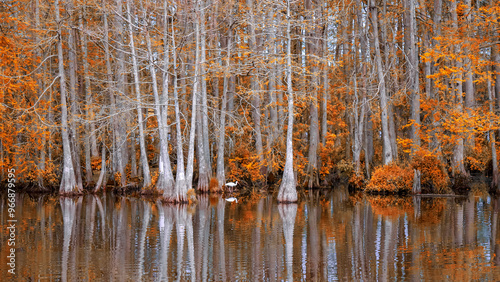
(327, 236)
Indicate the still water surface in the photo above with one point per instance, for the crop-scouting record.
(335, 236)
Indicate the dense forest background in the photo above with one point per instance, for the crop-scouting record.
(168, 94)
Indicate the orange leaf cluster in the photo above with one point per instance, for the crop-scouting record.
(391, 179)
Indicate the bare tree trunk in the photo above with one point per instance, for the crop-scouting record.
(100, 183)
(272, 105)
(469, 83)
(495, 53)
(203, 173)
(74, 106)
(288, 192)
(368, 141)
(413, 70)
(312, 174)
(202, 118)
(359, 125)
(120, 139)
(144, 157)
(68, 182)
(458, 154)
(190, 161)
(468, 67)
(204, 105)
(392, 129)
(386, 142)
(221, 174)
(435, 143)
(494, 161)
(165, 177)
(255, 88)
(40, 81)
(324, 98)
(90, 140)
(359, 105)
(180, 184)
(386, 63)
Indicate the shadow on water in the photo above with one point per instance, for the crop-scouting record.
(327, 236)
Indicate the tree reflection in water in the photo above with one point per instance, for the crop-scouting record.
(334, 236)
(287, 215)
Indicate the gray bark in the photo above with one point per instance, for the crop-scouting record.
(41, 163)
(100, 182)
(413, 70)
(180, 183)
(190, 161)
(435, 144)
(68, 182)
(90, 140)
(324, 98)
(359, 103)
(368, 142)
(204, 105)
(417, 189)
(494, 160)
(386, 142)
(144, 157)
(469, 82)
(75, 136)
(221, 175)
(468, 67)
(165, 177)
(272, 106)
(495, 52)
(255, 88)
(119, 139)
(312, 174)
(359, 125)
(203, 172)
(287, 191)
(203, 150)
(458, 154)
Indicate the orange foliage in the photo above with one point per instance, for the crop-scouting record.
(433, 173)
(244, 164)
(357, 181)
(96, 163)
(214, 185)
(117, 177)
(48, 176)
(479, 155)
(154, 177)
(391, 179)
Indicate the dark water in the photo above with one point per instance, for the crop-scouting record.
(333, 237)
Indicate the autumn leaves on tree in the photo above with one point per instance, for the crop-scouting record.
(172, 95)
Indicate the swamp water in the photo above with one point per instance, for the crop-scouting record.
(335, 236)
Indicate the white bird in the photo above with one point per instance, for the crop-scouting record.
(232, 199)
(231, 185)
